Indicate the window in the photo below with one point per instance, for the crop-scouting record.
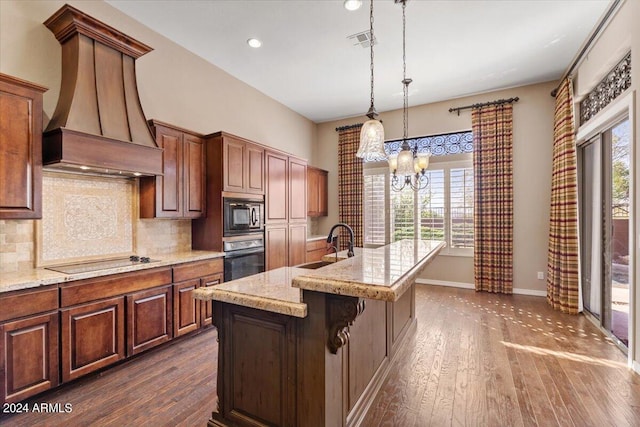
(441, 211)
(373, 197)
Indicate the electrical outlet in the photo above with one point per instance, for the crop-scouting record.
(540, 275)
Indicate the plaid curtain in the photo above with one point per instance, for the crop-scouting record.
(493, 197)
(562, 257)
(350, 183)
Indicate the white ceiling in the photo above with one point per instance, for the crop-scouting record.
(306, 62)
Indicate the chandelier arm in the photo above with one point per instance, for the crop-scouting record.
(372, 109)
(405, 83)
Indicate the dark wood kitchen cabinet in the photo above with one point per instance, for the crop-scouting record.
(94, 326)
(20, 148)
(186, 309)
(276, 246)
(29, 358)
(180, 191)
(297, 190)
(277, 194)
(190, 314)
(317, 192)
(206, 307)
(92, 337)
(286, 210)
(235, 169)
(243, 165)
(149, 319)
(58, 333)
(297, 243)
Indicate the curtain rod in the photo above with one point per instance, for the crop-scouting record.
(587, 45)
(483, 104)
(341, 128)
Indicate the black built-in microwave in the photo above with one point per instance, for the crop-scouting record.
(242, 216)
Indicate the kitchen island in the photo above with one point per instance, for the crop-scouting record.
(300, 347)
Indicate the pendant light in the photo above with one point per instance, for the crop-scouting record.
(408, 167)
(372, 133)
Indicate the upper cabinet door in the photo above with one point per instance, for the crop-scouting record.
(234, 165)
(317, 187)
(169, 201)
(243, 166)
(277, 196)
(20, 149)
(194, 176)
(180, 191)
(297, 189)
(255, 169)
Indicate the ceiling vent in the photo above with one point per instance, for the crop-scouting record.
(363, 39)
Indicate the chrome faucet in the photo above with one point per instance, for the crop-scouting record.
(350, 230)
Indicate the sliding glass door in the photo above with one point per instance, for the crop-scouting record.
(604, 227)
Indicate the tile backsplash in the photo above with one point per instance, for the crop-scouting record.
(90, 206)
(85, 218)
(16, 245)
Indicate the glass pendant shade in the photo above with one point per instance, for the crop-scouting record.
(416, 166)
(405, 163)
(422, 161)
(372, 141)
(393, 163)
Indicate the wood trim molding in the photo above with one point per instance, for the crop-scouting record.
(69, 21)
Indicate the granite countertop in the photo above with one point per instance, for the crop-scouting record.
(384, 274)
(316, 237)
(43, 277)
(270, 291)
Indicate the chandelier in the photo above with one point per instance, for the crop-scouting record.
(408, 166)
(372, 133)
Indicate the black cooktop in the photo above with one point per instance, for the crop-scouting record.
(102, 265)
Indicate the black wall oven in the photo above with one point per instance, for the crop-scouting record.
(243, 241)
(242, 216)
(244, 256)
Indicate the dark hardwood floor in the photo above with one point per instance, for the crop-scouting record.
(476, 359)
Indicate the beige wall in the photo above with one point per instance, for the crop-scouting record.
(175, 86)
(620, 36)
(533, 143)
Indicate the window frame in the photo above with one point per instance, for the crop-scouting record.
(445, 163)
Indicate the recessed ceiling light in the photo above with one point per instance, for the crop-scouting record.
(352, 5)
(85, 168)
(254, 43)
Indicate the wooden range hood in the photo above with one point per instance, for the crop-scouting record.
(98, 125)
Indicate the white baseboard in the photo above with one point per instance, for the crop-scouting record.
(636, 367)
(445, 283)
(518, 291)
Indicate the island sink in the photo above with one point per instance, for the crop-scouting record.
(315, 265)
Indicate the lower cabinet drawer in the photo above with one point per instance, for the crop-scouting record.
(28, 357)
(92, 337)
(149, 319)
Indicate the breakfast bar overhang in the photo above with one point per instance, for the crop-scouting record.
(300, 347)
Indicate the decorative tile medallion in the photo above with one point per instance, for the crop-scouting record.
(85, 218)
